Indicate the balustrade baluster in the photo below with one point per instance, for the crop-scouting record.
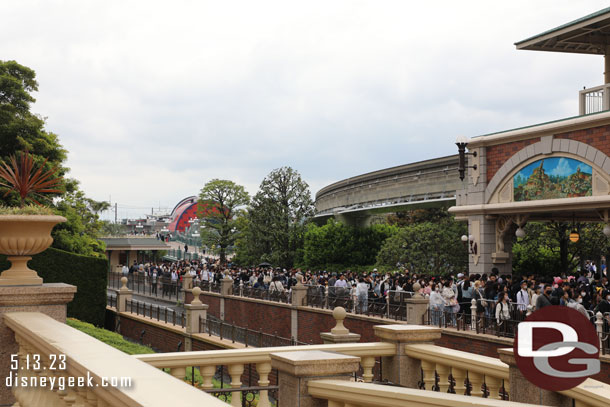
(429, 375)
(207, 373)
(235, 371)
(443, 377)
(507, 388)
(459, 375)
(476, 381)
(493, 384)
(367, 362)
(178, 372)
(263, 370)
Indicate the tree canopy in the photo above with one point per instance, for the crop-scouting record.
(20, 131)
(221, 203)
(275, 225)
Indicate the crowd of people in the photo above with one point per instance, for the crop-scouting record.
(497, 297)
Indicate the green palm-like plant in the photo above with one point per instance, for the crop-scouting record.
(28, 181)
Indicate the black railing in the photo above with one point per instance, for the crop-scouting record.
(140, 283)
(393, 305)
(247, 336)
(465, 388)
(160, 313)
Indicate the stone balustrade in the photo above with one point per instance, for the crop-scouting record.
(340, 393)
(479, 369)
(591, 393)
(236, 359)
(41, 338)
(469, 372)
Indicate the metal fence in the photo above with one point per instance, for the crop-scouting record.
(393, 305)
(141, 283)
(247, 336)
(158, 312)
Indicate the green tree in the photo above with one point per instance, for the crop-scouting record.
(338, 244)
(547, 250)
(83, 227)
(20, 129)
(277, 218)
(220, 205)
(427, 247)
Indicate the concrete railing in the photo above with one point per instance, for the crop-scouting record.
(469, 372)
(593, 100)
(53, 356)
(445, 362)
(341, 393)
(235, 360)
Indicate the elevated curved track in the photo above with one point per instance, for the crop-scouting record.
(423, 184)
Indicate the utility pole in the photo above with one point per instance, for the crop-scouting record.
(115, 212)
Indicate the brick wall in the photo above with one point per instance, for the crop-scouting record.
(598, 137)
(160, 339)
(271, 318)
(497, 155)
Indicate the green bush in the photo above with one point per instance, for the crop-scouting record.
(89, 274)
(110, 338)
(336, 244)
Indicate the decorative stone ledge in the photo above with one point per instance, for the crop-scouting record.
(46, 294)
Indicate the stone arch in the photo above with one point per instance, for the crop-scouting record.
(499, 186)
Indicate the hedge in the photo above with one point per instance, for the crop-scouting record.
(88, 274)
(110, 338)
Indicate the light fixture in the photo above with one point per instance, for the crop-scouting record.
(462, 142)
(574, 236)
(464, 238)
(520, 232)
(607, 230)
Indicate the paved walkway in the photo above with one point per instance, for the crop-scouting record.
(163, 302)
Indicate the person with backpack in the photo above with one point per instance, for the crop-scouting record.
(503, 312)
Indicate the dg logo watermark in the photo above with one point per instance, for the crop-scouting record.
(557, 348)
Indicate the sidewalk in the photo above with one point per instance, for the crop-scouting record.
(163, 302)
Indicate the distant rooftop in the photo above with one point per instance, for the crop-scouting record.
(134, 243)
(587, 35)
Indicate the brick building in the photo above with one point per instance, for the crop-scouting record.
(558, 170)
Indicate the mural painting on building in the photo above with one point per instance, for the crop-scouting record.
(551, 178)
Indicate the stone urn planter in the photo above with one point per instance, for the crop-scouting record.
(22, 236)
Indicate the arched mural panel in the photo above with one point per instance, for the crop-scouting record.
(552, 178)
(558, 175)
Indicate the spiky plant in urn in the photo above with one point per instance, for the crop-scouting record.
(25, 229)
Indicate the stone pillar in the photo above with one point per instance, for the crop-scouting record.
(194, 311)
(400, 368)
(523, 391)
(50, 299)
(339, 334)
(299, 292)
(297, 368)
(188, 281)
(417, 306)
(226, 286)
(123, 295)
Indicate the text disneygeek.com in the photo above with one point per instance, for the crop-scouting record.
(63, 382)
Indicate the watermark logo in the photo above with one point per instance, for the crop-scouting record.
(557, 348)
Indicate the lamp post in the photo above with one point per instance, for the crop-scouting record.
(462, 142)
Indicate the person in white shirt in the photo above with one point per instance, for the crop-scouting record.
(437, 304)
(276, 285)
(362, 292)
(523, 299)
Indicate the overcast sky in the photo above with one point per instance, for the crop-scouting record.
(152, 99)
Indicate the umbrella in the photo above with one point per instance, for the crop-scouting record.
(264, 264)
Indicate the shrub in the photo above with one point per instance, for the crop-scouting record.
(89, 274)
(110, 338)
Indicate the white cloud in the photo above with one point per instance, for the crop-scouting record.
(154, 98)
